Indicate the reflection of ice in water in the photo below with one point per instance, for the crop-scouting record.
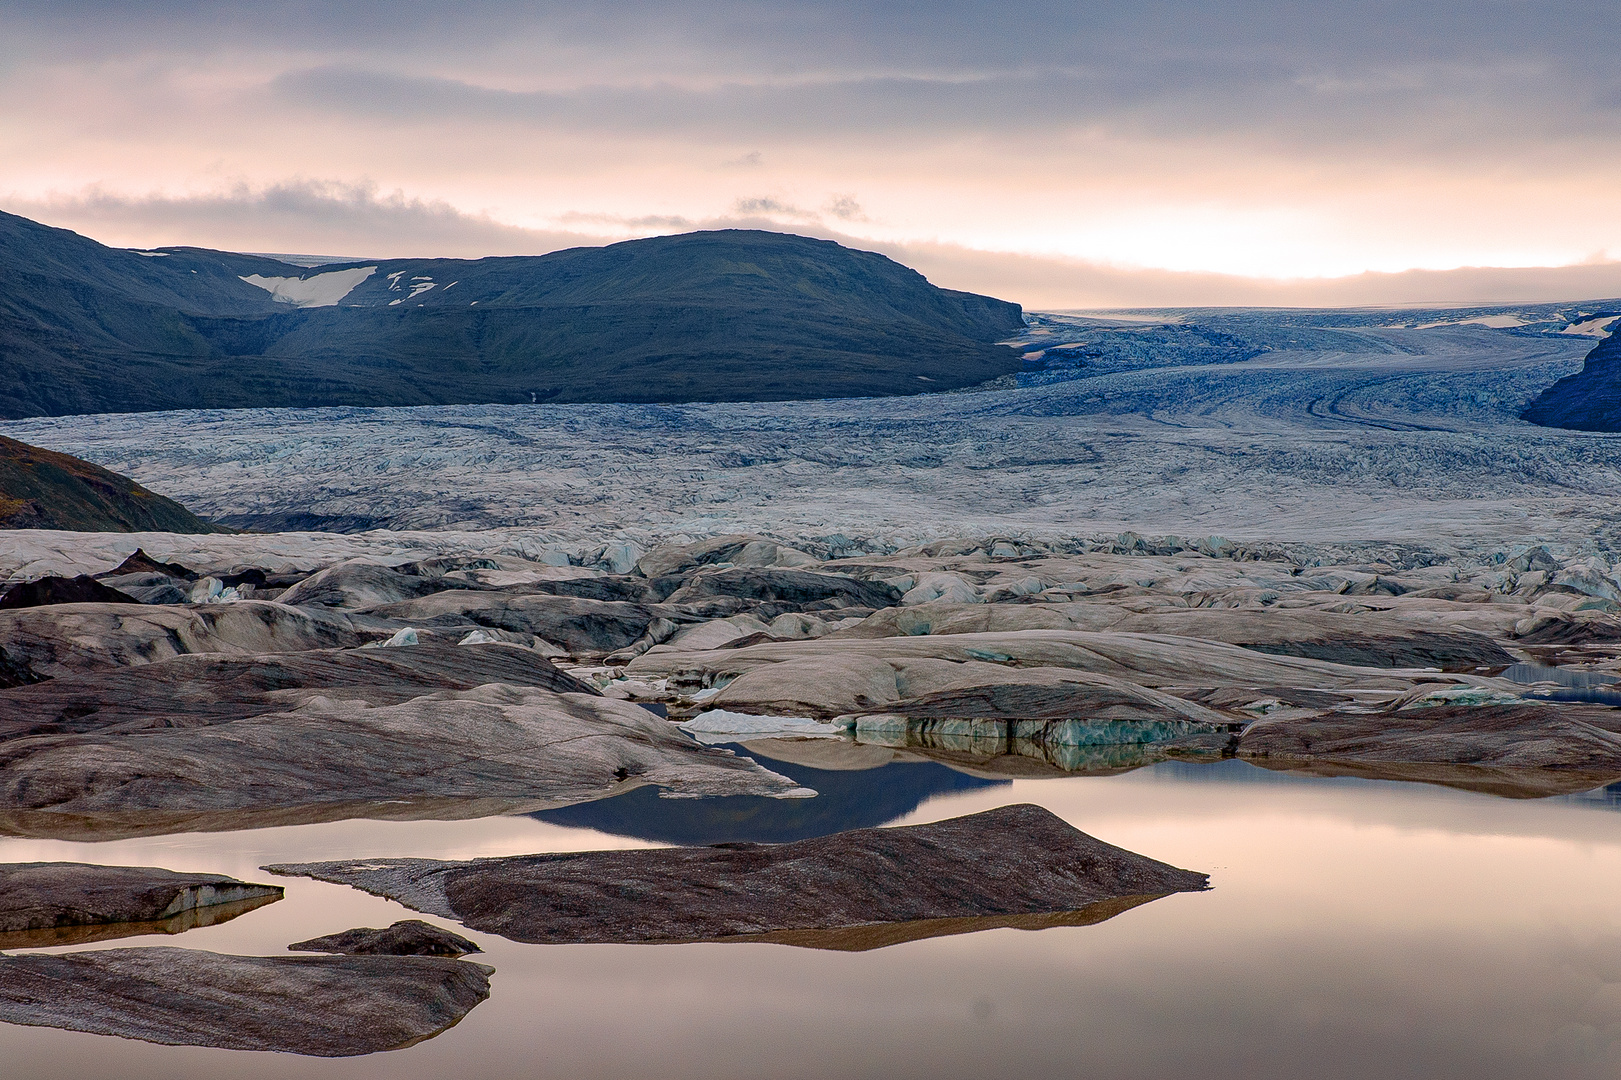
(1070, 745)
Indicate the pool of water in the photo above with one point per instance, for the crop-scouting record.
(1572, 678)
(1354, 929)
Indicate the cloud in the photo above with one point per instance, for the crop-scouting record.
(1266, 136)
(299, 216)
(774, 211)
(766, 206)
(1432, 109)
(1328, 40)
(1068, 284)
(328, 218)
(636, 223)
(845, 208)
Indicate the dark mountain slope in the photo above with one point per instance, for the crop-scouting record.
(725, 316)
(186, 279)
(1589, 400)
(41, 489)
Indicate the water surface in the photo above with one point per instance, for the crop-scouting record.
(1355, 929)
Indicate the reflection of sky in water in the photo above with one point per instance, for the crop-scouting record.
(1355, 929)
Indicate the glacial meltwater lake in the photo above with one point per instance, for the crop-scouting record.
(1354, 928)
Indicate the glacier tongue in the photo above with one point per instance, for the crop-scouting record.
(1415, 439)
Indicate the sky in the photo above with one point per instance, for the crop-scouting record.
(1078, 154)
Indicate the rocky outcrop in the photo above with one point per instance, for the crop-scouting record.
(1013, 863)
(55, 590)
(42, 489)
(322, 1006)
(409, 937)
(1589, 400)
(139, 562)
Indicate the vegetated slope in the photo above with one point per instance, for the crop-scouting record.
(41, 489)
(1589, 400)
(726, 316)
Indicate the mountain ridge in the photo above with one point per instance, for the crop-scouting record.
(730, 315)
(1589, 400)
(44, 489)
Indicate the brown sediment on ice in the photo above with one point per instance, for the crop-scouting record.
(323, 1006)
(1000, 656)
(408, 937)
(1539, 742)
(45, 896)
(493, 742)
(1014, 862)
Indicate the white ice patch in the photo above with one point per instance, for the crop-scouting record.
(1600, 327)
(1494, 322)
(149, 254)
(720, 726)
(319, 290)
(1463, 695)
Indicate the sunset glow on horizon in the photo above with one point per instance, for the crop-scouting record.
(1058, 154)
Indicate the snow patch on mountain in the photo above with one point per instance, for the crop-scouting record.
(317, 290)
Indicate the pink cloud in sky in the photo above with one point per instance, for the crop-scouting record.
(1059, 154)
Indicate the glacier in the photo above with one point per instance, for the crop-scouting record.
(1345, 431)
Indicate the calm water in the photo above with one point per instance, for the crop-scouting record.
(1355, 929)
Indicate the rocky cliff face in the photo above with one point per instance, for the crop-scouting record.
(1590, 400)
(41, 489)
